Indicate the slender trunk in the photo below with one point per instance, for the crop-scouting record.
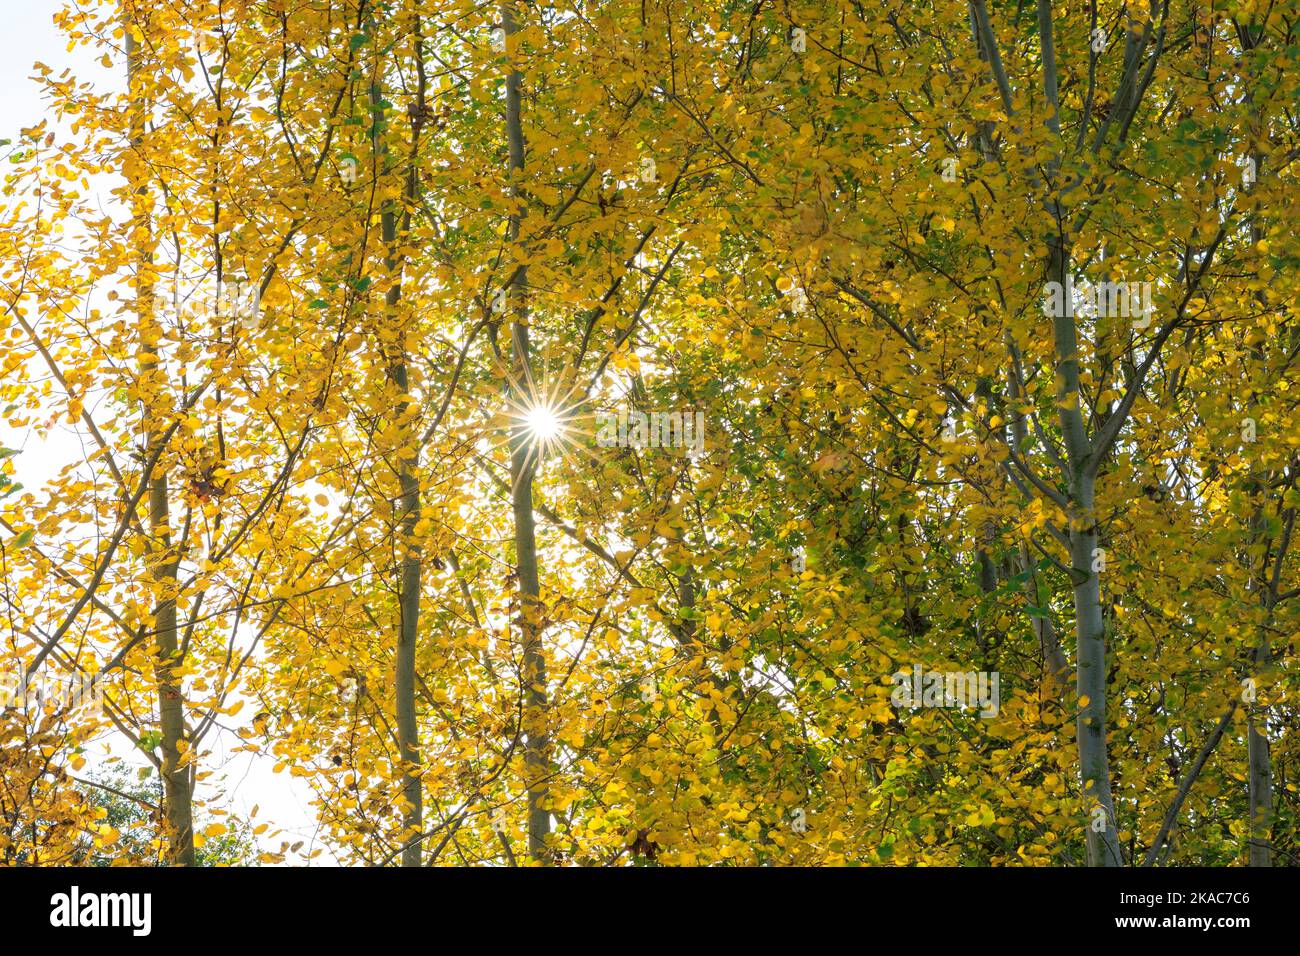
(1090, 636)
(988, 582)
(410, 571)
(1056, 666)
(1090, 683)
(1259, 761)
(1261, 793)
(408, 733)
(522, 466)
(985, 539)
(176, 771)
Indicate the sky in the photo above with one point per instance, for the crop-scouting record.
(245, 780)
(28, 35)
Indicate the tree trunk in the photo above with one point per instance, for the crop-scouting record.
(1259, 761)
(1261, 795)
(522, 466)
(1090, 636)
(410, 571)
(408, 594)
(176, 770)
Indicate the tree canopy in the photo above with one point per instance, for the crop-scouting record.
(554, 433)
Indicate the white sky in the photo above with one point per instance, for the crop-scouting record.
(27, 35)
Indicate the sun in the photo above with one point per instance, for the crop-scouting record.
(543, 423)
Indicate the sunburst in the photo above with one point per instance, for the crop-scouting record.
(543, 423)
(548, 421)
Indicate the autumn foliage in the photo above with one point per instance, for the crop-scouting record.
(334, 297)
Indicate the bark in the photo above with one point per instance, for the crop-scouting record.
(1259, 760)
(409, 583)
(522, 467)
(176, 773)
(410, 571)
(1090, 637)
(162, 560)
(1184, 788)
(1261, 795)
(1056, 666)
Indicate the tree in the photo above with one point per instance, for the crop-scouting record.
(554, 433)
(128, 805)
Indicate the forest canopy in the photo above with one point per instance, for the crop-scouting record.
(814, 432)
